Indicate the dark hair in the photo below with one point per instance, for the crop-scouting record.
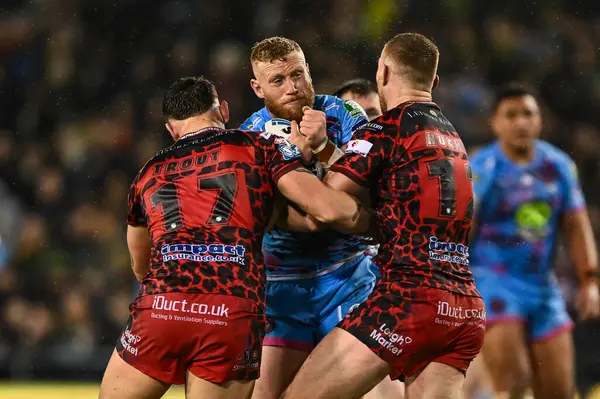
(510, 90)
(360, 87)
(272, 49)
(417, 56)
(188, 97)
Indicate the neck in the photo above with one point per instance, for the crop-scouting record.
(402, 94)
(518, 155)
(192, 125)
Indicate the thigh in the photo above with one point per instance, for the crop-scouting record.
(505, 355)
(340, 367)
(278, 368)
(477, 380)
(122, 381)
(552, 361)
(149, 341)
(291, 321)
(436, 381)
(228, 352)
(412, 327)
(198, 388)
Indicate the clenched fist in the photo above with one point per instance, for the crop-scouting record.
(313, 127)
(299, 140)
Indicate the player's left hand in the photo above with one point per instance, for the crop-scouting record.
(300, 141)
(313, 127)
(588, 300)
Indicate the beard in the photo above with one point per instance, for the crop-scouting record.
(292, 112)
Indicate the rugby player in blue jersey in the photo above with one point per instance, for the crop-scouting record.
(527, 192)
(313, 278)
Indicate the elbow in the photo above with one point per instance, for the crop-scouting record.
(140, 272)
(328, 213)
(314, 225)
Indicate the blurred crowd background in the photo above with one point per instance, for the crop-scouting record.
(81, 85)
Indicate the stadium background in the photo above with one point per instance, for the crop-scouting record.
(81, 83)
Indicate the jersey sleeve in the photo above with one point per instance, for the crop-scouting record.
(254, 123)
(352, 116)
(574, 200)
(136, 215)
(363, 159)
(281, 156)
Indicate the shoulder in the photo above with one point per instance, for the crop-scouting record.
(335, 106)
(256, 121)
(560, 160)
(484, 162)
(484, 155)
(157, 158)
(553, 154)
(326, 103)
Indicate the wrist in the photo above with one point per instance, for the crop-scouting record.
(325, 150)
(590, 276)
(320, 147)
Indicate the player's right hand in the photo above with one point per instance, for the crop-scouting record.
(314, 126)
(300, 141)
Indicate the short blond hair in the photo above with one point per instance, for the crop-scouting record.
(417, 55)
(272, 49)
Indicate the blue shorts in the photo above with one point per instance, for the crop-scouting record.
(301, 312)
(508, 298)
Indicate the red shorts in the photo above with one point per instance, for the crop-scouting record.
(412, 327)
(216, 337)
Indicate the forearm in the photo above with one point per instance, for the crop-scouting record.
(585, 259)
(353, 216)
(582, 246)
(296, 220)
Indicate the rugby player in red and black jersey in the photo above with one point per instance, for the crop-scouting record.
(424, 322)
(197, 213)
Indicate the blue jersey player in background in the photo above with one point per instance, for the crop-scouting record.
(527, 193)
(313, 278)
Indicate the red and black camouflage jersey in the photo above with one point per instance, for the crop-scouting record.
(207, 201)
(415, 166)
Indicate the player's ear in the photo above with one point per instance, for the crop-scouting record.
(257, 88)
(171, 131)
(224, 108)
(436, 82)
(387, 72)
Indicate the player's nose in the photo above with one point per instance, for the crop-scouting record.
(290, 87)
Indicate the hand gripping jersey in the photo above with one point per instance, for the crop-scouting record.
(520, 208)
(415, 166)
(206, 201)
(291, 255)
